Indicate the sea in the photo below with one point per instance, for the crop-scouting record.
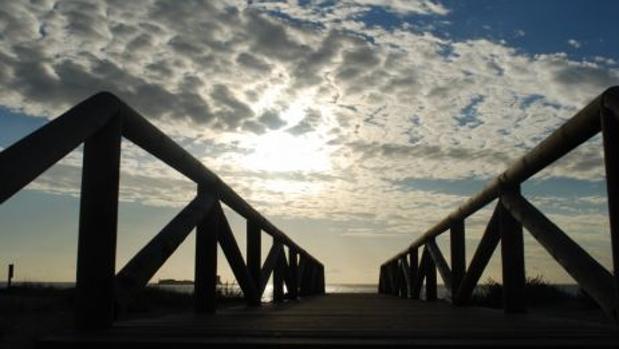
(442, 292)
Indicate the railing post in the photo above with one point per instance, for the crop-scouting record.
(96, 253)
(430, 278)
(395, 272)
(278, 276)
(413, 264)
(205, 278)
(512, 258)
(458, 258)
(610, 132)
(254, 259)
(293, 269)
(321, 280)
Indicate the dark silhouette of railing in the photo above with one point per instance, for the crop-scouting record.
(404, 274)
(99, 122)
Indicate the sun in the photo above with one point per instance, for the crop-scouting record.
(282, 152)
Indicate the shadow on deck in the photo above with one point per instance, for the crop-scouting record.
(345, 320)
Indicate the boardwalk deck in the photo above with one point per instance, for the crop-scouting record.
(348, 319)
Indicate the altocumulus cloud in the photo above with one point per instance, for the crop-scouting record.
(378, 105)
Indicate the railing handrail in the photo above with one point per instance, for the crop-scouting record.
(577, 130)
(514, 212)
(139, 131)
(100, 122)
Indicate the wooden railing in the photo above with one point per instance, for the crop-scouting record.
(404, 274)
(100, 122)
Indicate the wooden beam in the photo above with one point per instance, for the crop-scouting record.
(512, 257)
(610, 132)
(293, 270)
(414, 268)
(489, 241)
(430, 274)
(406, 269)
(26, 159)
(141, 268)
(205, 273)
(96, 253)
(440, 262)
(254, 258)
(269, 266)
(235, 259)
(278, 273)
(458, 256)
(418, 280)
(589, 274)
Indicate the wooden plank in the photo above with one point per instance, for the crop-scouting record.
(141, 268)
(458, 256)
(293, 270)
(269, 266)
(235, 259)
(278, 272)
(440, 262)
(349, 320)
(421, 273)
(430, 277)
(610, 132)
(254, 258)
(487, 245)
(205, 272)
(414, 268)
(512, 258)
(406, 269)
(26, 159)
(589, 274)
(96, 252)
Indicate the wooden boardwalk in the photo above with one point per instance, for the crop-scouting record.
(347, 319)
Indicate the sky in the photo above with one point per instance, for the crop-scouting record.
(352, 125)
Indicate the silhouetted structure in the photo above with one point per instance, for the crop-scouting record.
(404, 274)
(330, 321)
(99, 122)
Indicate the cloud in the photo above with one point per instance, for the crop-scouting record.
(376, 106)
(574, 43)
(307, 124)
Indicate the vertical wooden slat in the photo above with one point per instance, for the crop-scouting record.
(439, 262)
(231, 250)
(489, 241)
(430, 272)
(512, 258)
(421, 273)
(254, 258)
(610, 133)
(293, 270)
(278, 274)
(413, 264)
(96, 253)
(458, 257)
(592, 277)
(205, 278)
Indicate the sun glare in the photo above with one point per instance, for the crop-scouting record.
(283, 152)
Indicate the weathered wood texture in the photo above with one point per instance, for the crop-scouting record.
(487, 245)
(353, 320)
(512, 258)
(205, 273)
(100, 122)
(458, 256)
(96, 257)
(610, 132)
